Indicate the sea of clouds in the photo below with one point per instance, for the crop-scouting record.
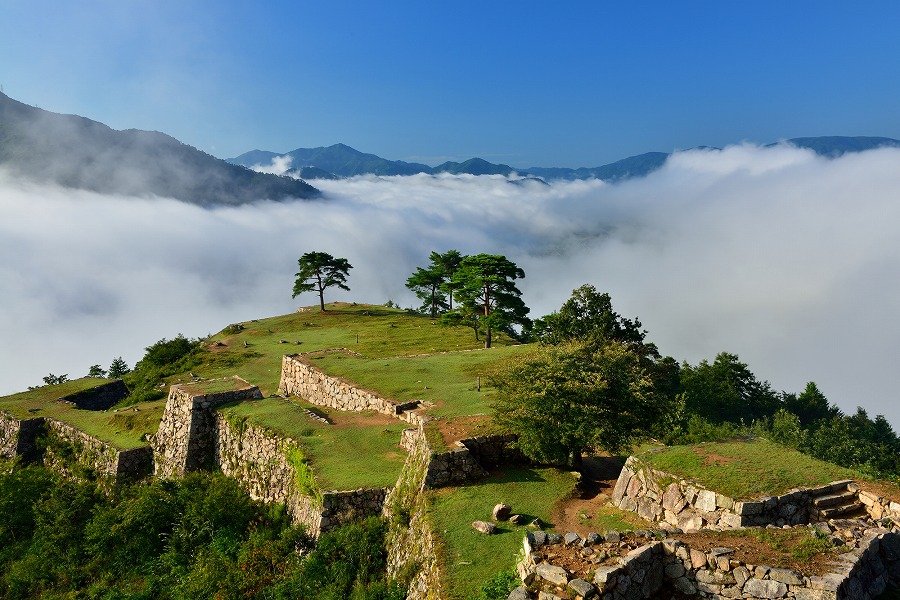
(787, 259)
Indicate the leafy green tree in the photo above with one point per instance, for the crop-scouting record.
(810, 406)
(167, 352)
(320, 271)
(726, 390)
(588, 315)
(117, 368)
(52, 379)
(447, 264)
(426, 284)
(486, 289)
(566, 399)
(96, 371)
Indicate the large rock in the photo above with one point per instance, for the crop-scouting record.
(484, 527)
(552, 573)
(502, 512)
(765, 588)
(582, 588)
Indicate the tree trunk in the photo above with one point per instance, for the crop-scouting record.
(487, 337)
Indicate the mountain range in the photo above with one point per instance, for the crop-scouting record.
(76, 152)
(340, 160)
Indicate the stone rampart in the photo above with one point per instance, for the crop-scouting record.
(102, 397)
(73, 452)
(672, 566)
(184, 441)
(18, 437)
(412, 544)
(266, 464)
(494, 450)
(673, 502)
(301, 379)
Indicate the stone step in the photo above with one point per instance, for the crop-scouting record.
(846, 510)
(837, 486)
(838, 499)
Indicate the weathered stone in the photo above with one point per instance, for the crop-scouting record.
(571, 538)
(582, 588)
(517, 519)
(706, 501)
(674, 570)
(765, 588)
(685, 586)
(787, 576)
(552, 573)
(501, 512)
(520, 593)
(484, 527)
(741, 575)
(593, 538)
(605, 577)
(689, 521)
(747, 509)
(698, 559)
(542, 595)
(539, 538)
(612, 536)
(554, 538)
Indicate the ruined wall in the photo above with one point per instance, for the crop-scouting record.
(266, 465)
(75, 453)
(494, 450)
(675, 503)
(314, 386)
(412, 548)
(672, 566)
(69, 450)
(102, 397)
(18, 436)
(184, 441)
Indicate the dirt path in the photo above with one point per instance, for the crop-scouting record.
(598, 479)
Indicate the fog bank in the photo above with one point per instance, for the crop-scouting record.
(783, 257)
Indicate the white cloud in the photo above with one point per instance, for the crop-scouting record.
(783, 257)
(278, 166)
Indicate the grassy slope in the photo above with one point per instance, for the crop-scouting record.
(470, 558)
(382, 332)
(121, 429)
(746, 469)
(357, 451)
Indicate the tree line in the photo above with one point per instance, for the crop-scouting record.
(594, 382)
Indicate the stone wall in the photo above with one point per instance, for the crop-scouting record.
(184, 441)
(69, 449)
(879, 507)
(672, 566)
(494, 450)
(305, 381)
(18, 436)
(102, 397)
(412, 547)
(673, 502)
(75, 453)
(260, 461)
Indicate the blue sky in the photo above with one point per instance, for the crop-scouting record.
(525, 83)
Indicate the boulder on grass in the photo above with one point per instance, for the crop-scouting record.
(484, 527)
(502, 512)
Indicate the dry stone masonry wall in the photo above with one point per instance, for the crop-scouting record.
(70, 447)
(672, 566)
(18, 436)
(102, 397)
(184, 441)
(673, 502)
(305, 381)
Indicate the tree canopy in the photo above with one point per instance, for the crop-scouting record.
(487, 293)
(320, 271)
(588, 315)
(573, 397)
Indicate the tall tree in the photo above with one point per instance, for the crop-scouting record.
(727, 390)
(447, 264)
(117, 368)
(486, 288)
(563, 400)
(426, 283)
(320, 271)
(588, 315)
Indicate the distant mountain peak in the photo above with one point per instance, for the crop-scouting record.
(77, 152)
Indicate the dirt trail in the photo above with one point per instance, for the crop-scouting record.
(599, 476)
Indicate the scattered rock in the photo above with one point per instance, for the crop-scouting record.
(484, 527)
(502, 512)
(517, 519)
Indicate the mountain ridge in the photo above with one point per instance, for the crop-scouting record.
(77, 152)
(348, 164)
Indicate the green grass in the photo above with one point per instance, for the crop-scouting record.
(363, 452)
(471, 558)
(122, 429)
(374, 331)
(450, 381)
(746, 470)
(610, 517)
(214, 386)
